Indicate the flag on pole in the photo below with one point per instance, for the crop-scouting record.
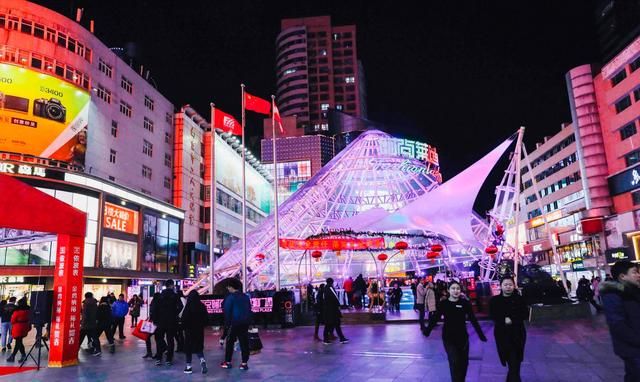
(277, 118)
(256, 104)
(227, 123)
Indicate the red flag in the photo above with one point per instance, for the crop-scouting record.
(256, 104)
(226, 122)
(277, 118)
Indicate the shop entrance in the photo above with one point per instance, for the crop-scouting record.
(26, 208)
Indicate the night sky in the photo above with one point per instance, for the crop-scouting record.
(460, 75)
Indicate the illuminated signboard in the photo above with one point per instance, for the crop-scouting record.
(616, 254)
(22, 169)
(536, 222)
(625, 181)
(228, 170)
(42, 115)
(120, 219)
(410, 149)
(258, 305)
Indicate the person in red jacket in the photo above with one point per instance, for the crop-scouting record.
(20, 327)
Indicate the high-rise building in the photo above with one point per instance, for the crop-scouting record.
(317, 69)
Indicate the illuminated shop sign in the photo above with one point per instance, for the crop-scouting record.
(555, 215)
(120, 219)
(409, 149)
(42, 115)
(616, 254)
(11, 279)
(258, 304)
(22, 169)
(625, 181)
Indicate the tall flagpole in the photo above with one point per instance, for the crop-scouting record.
(212, 201)
(275, 187)
(244, 203)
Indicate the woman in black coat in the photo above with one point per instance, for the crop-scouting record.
(508, 311)
(331, 313)
(194, 319)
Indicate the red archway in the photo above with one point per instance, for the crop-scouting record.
(24, 207)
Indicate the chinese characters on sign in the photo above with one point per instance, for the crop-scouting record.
(334, 244)
(22, 169)
(410, 149)
(258, 305)
(120, 219)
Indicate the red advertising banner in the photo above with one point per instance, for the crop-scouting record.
(120, 219)
(67, 302)
(333, 244)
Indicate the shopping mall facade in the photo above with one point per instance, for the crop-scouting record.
(84, 126)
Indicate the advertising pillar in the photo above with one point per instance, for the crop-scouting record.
(67, 301)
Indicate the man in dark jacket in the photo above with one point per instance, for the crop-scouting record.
(119, 311)
(89, 324)
(165, 315)
(5, 323)
(621, 300)
(332, 314)
(237, 316)
(105, 322)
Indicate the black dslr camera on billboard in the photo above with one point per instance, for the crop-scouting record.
(50, 109)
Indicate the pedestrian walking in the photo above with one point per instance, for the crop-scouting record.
(319, 308)
(165, 315)
(585, 293)
(194, 319)
(5, 323)
(180, 329)
(508, 311)
(430, 301)
(454, 332)
(104, 324)
(20, 327)
(414, 290)
(359, 287)
(119, 311)
(134, 309)
(621, 300)
(421, 296)
(89, 322)
(395, 296)
(237, 316)
(331, 314)
(348, 290)
(149, 353)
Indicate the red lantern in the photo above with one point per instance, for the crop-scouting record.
(491, 250)
(383, 257)
(432, 255)
(499, 230)
(260, 256)
(401, 246)
(437, 247)
(316, 255)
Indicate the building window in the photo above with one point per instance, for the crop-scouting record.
(146, 172)
(632, 158)
(168, 118)
(126, 85)
(112, 156)
(125, 109)
(103, 94)
(148, 102)
(623, 104)
(147, 148)
(635, 64)
(628, 130)
(105, 68)
(112, 178)
(636, 94)
(350, 80)
(114, 129)
(167, 138)
(339, 107)
(619, 77)
(635, 196)
(167, 182)
(167, 160)
(148, 124)
(324, 106)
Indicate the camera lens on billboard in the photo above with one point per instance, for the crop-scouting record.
(51, 109)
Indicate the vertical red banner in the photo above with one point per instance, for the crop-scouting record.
(67, 302)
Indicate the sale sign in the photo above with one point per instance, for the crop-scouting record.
(67, 302)
(120, 218)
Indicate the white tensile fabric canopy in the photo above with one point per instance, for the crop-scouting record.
(445, 210)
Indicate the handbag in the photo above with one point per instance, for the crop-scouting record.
(137, 331)
(255, 344)
(147, 326)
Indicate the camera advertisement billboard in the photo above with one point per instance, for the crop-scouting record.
(42, 115)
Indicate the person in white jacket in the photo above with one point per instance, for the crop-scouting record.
(421, 291)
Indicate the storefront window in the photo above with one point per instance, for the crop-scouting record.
(119, 253)
(160, 244)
